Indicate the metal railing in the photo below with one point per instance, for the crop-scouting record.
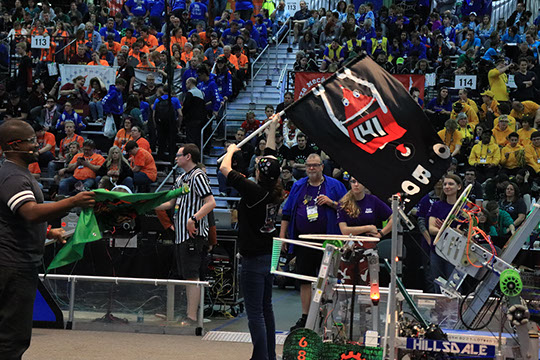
(267, 60)
(72, 279)
(209, 123)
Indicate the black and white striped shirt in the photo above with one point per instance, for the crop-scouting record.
(187, 205)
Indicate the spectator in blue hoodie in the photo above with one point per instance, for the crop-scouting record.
(157, 9)
(198, 12)
(245, 8)
(70, 114)
(210, 90)
(113, 102)
(136, 8)
(223, 79)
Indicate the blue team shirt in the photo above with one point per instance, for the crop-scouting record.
(137, 7)
(197, 11)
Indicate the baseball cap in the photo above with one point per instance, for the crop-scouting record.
(400, 61)
(488, 93)
(473, 13)
(269, 168)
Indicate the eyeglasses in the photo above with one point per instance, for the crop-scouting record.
(179, 155)
(314, 166)
(32, 140)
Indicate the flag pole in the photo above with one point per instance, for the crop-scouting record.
(275, 117)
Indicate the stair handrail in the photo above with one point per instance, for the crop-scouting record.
(167, 177)
(278, 42)
(281, 77)
(203, 143)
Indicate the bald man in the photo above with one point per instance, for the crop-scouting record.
(23, 229)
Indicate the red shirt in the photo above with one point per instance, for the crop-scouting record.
(251, 126)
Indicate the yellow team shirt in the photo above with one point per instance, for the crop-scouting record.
(501, 136)
(466, 132)
(511, 122)
(494, 106)
(471, 103)
(532, 157)
(497, 83)
(450, 140)
(529, 108)
(482, 154)
(472, 117)
(525, 136)
(511, 162)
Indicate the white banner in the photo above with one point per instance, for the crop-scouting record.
(140, 78)
(104, 73)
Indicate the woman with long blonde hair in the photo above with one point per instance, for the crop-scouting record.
(117, 168)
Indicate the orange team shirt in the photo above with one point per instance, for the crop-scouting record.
(128, 42)
(101, 62)
(47, 139)
(146, 162)
(149, 65)
(182, 41)
(233, 60)
(122, 138)
(144, 144)
(242, 60)
(66, 141)
(186, 56)
(83, 173)
(34, 168)
(151, 41)
(114, 48)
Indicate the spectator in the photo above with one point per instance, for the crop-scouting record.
(485, 157)
(490, 107)
(279, 17)
(214, 51)
(194, 111)
(123, 135)
(451, 137)
(162, 118)
(133, 110)
(96, 96)
(70, 114)
(512, 155)
(84, 165)
(16, 109)
(439, 108)
(113, 103)
(117, 168)
(143, 165)
(224, 79)
(250, 124)
(259, 153)
(298, 155)
(501, 131)
(137, 135)
(49, 116)
(462, 108)
(210, 90)
(47, 145)
(525, 80)
(76, 94)
(137, 8)
(198, 12)
(24, 73)
(503, 223)
(476, 195)
(498, 78)
(333, 57)
(526, 108)
(71, 136)
(526, 130)
(532, 155)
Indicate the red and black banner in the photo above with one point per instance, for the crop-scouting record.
(366, 121)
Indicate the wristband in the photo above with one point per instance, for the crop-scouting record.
(380, 233)
(193, 218)
(48, 229)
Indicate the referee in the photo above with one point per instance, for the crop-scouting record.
(191, 224)
(23, 229)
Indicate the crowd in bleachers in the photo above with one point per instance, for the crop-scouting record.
(491, 129)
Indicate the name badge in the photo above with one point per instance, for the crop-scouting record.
(312, 213)
(483, 160)
(538, 161)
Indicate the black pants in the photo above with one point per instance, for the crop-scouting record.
(193, 133)
(17, 293)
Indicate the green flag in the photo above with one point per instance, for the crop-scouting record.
(112, 209)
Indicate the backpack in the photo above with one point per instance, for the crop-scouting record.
(161, 109)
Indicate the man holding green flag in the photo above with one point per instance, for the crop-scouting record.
(23, 229)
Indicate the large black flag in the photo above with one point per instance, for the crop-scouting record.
(365, 120)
